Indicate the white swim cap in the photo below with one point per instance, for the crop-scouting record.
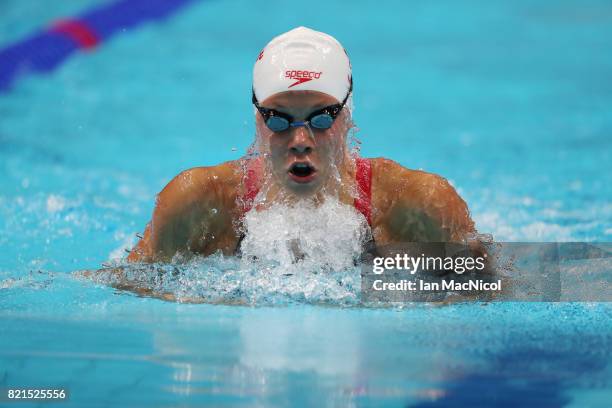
(302, 60)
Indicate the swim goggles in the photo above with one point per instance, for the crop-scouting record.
(320, 119)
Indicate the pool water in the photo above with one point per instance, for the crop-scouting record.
(508, 100)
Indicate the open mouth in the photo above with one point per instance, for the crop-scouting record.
(302, 172)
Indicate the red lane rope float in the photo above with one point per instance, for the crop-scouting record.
(78, 31)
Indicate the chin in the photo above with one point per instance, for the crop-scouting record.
(302, 190)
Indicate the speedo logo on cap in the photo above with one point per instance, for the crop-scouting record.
(302, 76)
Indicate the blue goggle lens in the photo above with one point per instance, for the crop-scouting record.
(322, 121)
(277, 124)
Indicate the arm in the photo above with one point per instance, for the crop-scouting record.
(191, 215)
(419, 207)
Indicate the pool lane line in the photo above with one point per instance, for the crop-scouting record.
(46, 49)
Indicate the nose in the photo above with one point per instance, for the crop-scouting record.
(301, 142)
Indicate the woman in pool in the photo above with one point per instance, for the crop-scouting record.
(302, 86)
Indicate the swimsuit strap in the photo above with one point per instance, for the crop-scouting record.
(251, 184)
(363, 178)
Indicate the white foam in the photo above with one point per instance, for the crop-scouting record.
(329, 236)
(55, 203)
(127, 242)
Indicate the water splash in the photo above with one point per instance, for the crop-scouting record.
(229, 280)
(287, 257)
(328, 237)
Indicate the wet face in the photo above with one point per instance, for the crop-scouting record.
(303, 159)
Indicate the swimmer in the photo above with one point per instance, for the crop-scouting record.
(302, 89)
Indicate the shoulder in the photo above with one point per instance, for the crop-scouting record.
(225, 174)
(201, 183)
(397, 191)
(391, 178)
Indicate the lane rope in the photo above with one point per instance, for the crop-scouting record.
(46, 49)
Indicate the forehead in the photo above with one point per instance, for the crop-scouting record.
(299, 99)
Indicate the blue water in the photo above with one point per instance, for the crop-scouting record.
(508, 100)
